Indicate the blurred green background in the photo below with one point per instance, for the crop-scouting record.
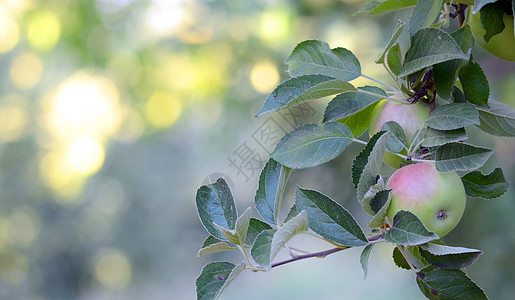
(114, 112)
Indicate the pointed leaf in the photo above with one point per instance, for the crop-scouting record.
(242, 225)
(492, 21)
(434, 137)
(394, 59)
(444, 74)
(369, 176)
(447, 257)
(311, 145)
(216, 205)
(269, 194)
(290, 229)
(488, 186)
(395, 36)
(262, 246)
(453, 116)
(407, 229)
(361, 160)
(212, 245)
(383, 6)
(300, 89)
(397, 139)
(424, 14)
(358, 122)
(460, 157)
(215, 277)
(498, 120)
(316, 57)
(292, 213)
(381, 200)
(255, 228)
(430, 46)
(329, 219)
(478, 4)
(436, 283)
(347, 104)
(474, 83)
(399, 259)
(364, 259)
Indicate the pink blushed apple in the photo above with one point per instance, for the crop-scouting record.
(437, 199)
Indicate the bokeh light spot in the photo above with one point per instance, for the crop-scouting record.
(13, 118)
(264, 76)
(43, 30)
(26, 70)
(23, 226)
(113, 269)
(85, 155)
(14, 266)
(163, 109)
(9, 33)
(84, 105)
(274, 24)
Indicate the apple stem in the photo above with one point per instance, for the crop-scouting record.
(383, 83)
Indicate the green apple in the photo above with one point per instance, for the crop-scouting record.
(502, 44)
(410, 117)
(437, 199)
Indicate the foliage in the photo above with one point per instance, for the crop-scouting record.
(428, 73)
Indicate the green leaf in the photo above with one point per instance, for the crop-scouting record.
(369, 175)
(215, 277)
(478, 4)
(292, 213)
(436, 283)
(498, 120)
(364, 259)
(379, 7)
(407, 229)
(269, 194)
(300, 89)
(329, 219)
(311, 145)
(347, 104)
(458, 96)
(399, 259)
(216, 205)
(359, 163)
(394, 59)
(453, 116)
(393, 40)
(397, 139)
(447, 257)
(296, 225)
(424, 14)
(359, 121)
(434, 137)
(430, 46)
(488, 186)
(255, 228)
(212, 245)
(460, 157)
(262, 246)
(491, 20)
(379, 218)
(239, 233)
(444, 74)
(316, 57)
(474, 83)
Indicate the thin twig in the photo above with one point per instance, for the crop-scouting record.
(304, 256)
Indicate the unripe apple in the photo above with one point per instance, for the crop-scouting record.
(502, 44)
(410, 117)
(437, 199)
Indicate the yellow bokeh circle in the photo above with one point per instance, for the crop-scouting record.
(113, 269)
(162, 109)
(26, 70)
(43, 30)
